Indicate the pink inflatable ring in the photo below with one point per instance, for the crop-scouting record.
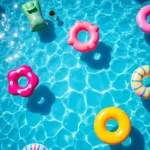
(86, 46)
(13, 77)
(141, 19)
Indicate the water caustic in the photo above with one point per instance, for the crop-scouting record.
(80, 86)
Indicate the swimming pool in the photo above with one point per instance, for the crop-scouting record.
(75, 86)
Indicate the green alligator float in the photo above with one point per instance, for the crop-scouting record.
(32, 11)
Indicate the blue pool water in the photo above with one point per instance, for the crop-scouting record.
(73, 86)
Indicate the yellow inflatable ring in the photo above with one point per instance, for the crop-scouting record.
(124, 125)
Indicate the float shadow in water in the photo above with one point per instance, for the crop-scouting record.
(41, 100)
(99, 58)
(47, 34)
(2, 11)
(147, 38)
(146, 102)
(141, 1)
(59, 22)
(137, 141)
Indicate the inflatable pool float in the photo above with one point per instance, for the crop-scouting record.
(136, 81)
(124, 125)
(83, 46)
(142, 15)
(32, 11)
(13, 77)
(35, 146)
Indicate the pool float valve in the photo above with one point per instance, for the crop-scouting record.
(32, 11)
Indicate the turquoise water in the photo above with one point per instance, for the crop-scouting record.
(73, 86)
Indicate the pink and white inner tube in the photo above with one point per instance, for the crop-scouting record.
(83, 46)
(13, 77)
(142, 15)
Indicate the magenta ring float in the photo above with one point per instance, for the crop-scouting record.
(13, 77)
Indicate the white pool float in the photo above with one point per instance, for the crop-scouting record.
(35, 146)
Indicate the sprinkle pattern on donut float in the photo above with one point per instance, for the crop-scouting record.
(13, 77)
